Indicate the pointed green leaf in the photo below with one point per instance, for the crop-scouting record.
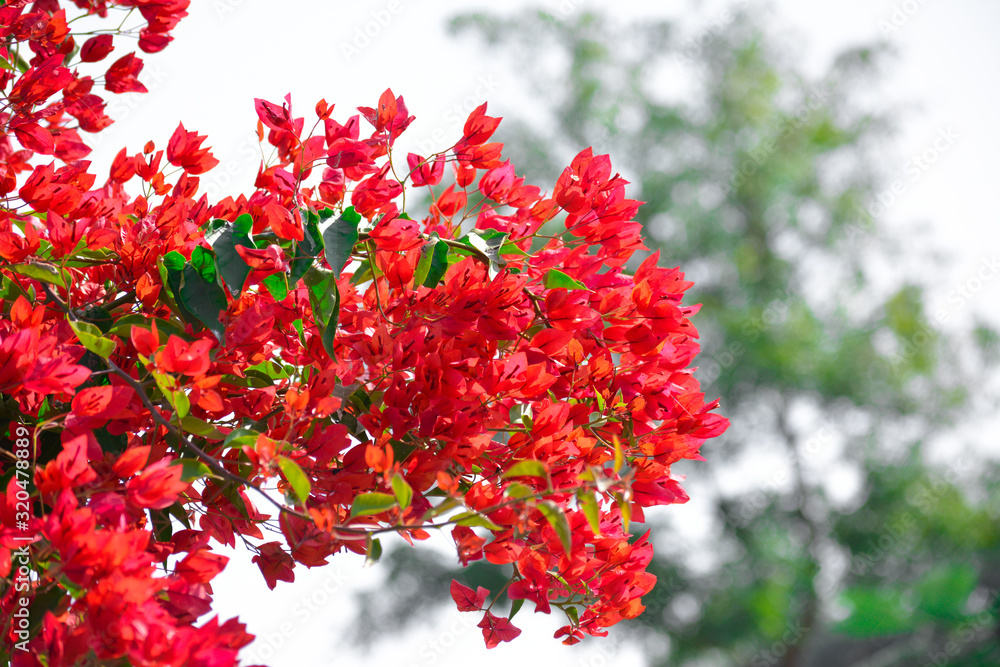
(43, 272)
(200, 292)
(339, 238)
(527, 469)
(192, 469)
(373, 547)
(91, 338)
(174, 394)
(591, 509)
(474, 520)
(224, 241)
(367, 504)
(557, 519)
(437, 264)
(201, 428)
(402, 490)
(277, 285)
(324, 297)
(555, 278)
(296, 477)
(517, 491)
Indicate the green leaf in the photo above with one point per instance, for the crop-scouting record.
(193, 425)
(277, 285)
(527, 469)
(517, 491)
(305, 251)
(239, 437)
(232, 267)
(339, 238)
(488, 242)
(591, 509)
(296, 477)
(944, 590)
(193, 469)
(373, 547)
(474, 520)
(875, 613)
(447, 504)
(433, 263)
(515, 607)
(402, 490)
(46, 273)
(201, 294)
(555, 278)
(91, 338)
(123, 327)
(626, 510)
(174, 394)
(557, 519)
(324, 297)
(367, 504)
(10, 290)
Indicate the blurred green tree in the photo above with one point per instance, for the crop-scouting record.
(830, 538)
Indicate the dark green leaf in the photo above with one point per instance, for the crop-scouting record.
(339, 238)
(232, 267)
(324, 297)
(203, 298)
(433, 263)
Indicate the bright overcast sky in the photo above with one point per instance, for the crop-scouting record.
(229, 51)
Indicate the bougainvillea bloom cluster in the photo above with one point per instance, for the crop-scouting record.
(312, 365)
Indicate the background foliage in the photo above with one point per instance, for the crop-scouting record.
(834, 537)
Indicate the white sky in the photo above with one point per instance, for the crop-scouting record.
(229, 51)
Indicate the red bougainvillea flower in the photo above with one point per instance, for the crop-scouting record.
(179, 356)
(157, 486)
(184, 150)
(176, 360)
